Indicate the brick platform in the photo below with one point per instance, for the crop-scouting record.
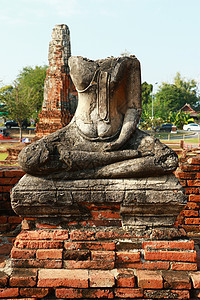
(95, 263)
(108, 263)
(189, 177)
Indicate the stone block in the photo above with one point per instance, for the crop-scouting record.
(150, 201)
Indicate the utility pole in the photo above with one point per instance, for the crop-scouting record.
(152, 106)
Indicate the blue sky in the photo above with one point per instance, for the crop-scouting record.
(163, 34)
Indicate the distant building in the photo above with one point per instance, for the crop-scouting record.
(189, 110)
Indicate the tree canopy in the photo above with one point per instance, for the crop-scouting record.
(24, 98)
(174, 96)
(31, 80)
(169, 99)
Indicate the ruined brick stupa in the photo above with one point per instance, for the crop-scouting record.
(60, 96)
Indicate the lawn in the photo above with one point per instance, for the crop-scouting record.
(3, 156)
(4, 147)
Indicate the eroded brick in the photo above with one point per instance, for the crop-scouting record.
(23, 278)
(171, 256)
(176, 280)
(34, 292)
(101, 279)
(149, 279)
(63, 277)
(70, 293)
(49, 254)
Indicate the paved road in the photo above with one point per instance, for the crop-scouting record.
(182, 133)
(29, 128)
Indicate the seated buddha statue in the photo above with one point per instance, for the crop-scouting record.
(102, 140)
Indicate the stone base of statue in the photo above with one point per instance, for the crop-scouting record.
(144, 202)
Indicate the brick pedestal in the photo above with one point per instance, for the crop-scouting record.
(95, 262)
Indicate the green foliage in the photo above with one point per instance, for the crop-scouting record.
(168, 101)
(27, 91)
(32, 81)
(146, 93)
(24, 99)
(146, 100)
(148, 123)
(175, 96)
(181, 119)
(5, 93)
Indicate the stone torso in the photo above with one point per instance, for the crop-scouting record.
(99, 114)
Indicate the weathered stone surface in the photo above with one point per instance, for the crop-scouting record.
(106, 119)
(35, 196)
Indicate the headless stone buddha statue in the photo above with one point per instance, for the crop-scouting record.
(102, 140)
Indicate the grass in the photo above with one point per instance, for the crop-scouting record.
(168, 135)
(3, 156)
(4, 146)
(177, 141)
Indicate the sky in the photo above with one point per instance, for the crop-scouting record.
(163, 34)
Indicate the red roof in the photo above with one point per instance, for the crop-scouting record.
(188, 109)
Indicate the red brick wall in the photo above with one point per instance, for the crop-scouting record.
(9, 176)
(9, 222)
(189, 176)
(96, 258)
(96, 263)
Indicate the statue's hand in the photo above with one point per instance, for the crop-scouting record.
(112, 146)
(64, 156)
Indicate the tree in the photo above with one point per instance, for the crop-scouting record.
(24, 98)
(32, 79)
(181, 119)
(17, 102)
(174, 96)
(5, 93)
(146, 93)
(146, 100)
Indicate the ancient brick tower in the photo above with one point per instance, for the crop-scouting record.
(60, 96)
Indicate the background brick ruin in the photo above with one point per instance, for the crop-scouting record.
(60, 96)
